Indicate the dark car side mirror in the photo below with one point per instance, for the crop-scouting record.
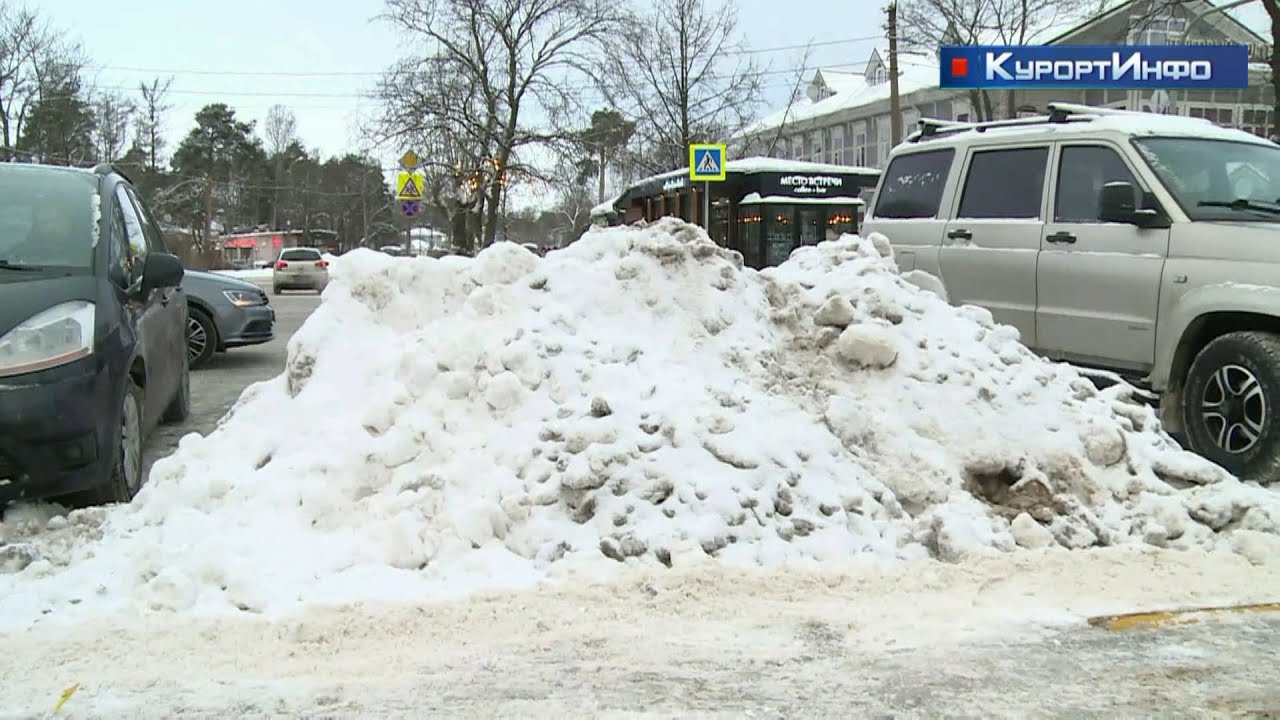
(160, 270)
(1118, 203)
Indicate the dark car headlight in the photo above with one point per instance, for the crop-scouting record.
(245, 298)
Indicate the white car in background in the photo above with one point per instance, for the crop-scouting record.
(300, 269)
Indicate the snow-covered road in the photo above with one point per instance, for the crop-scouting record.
(996, 637)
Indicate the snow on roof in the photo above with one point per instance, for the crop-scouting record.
(755, 199)
(767, 164)
(915, 72)
(606, 207)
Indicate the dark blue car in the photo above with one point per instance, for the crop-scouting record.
(92, 334)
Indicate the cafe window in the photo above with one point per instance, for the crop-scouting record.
(720, 222)
(811, 221)
(841, 220)
(748, 237)
(781, 234)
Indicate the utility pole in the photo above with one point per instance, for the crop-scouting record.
(895, 102)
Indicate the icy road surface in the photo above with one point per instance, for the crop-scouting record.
(995, 637)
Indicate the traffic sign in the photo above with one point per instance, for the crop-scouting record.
(410, 208)
(707, 162)
(409, 186)
(409, 160)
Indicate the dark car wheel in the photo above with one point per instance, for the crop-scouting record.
(1229, 404)
(179, 408)
(202, 338)
(126, 471)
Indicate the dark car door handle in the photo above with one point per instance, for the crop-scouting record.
(1061, 237)
(960, 235)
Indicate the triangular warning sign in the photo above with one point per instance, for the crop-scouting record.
(708, 165)
(409, 189)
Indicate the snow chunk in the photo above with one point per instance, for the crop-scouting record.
(871, 346)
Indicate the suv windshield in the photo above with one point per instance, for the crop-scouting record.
(300, 255)
(1217, 179)
(47, 217)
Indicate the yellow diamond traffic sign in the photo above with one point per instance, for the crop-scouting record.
(409, 160)
(409, 186)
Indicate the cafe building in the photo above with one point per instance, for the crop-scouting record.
(764, 208)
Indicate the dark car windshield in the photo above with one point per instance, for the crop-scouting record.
(1218, 179)
(47, 217)
(300, 255)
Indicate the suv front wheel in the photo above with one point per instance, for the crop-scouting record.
(1229, 404)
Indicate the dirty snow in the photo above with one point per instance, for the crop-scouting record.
(996, 637)
(636, 399)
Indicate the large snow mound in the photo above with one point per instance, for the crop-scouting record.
(639, 397)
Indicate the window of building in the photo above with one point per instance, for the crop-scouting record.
(748, 234)
(1219, 115)
(827, 148)
(1257, 120)
(962, 117)
(882, 138)
(1082, 172)
(780, 238)
(1004, 184)
(879, 74)
(1157, 31)
(913, 185)
(837, 139)
(860, 149)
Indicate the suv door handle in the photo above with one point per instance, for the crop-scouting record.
(1061, 237)
(960, 234)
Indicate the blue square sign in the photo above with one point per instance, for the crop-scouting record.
(707, 163)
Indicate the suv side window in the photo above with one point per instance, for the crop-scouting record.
(133, 230)
(913, 185)
(1082, 171)
(1004, 184)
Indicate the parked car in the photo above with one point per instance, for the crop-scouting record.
(300, 269)
(92, 334)
(224, 313)
(1138, 243)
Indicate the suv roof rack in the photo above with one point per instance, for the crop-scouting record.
(1059, 113)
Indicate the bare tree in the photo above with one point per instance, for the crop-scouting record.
(926, 24)
(679, 68)
(281, 128)
(25, 40)
(521, 56)
(148, 130)
(113, 113)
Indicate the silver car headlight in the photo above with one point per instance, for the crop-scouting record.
(245, 298)
(57, 336)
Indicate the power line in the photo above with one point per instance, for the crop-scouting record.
(380, 73)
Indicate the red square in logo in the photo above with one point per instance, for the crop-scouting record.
(959, 67)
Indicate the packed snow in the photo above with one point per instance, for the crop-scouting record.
(636, 399)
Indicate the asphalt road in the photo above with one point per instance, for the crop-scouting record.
(216, 386)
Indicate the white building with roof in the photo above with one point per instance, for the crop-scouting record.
(843, 117)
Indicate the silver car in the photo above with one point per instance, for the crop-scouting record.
(300, 269)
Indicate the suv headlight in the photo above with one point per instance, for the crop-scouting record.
(57, 336)
(245, 298)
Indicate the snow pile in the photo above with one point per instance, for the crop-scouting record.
(447, 424)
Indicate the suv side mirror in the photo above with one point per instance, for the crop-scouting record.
(160, 270)
(1118, 203)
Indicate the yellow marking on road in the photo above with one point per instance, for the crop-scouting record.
(1159, 618)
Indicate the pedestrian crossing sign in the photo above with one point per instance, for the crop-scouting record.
(409, 186)
(707, 163)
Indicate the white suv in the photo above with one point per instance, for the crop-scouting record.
(1144, 244)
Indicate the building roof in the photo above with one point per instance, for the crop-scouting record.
(920, 71)
(915, 72)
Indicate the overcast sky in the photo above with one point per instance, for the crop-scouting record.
(319, 56)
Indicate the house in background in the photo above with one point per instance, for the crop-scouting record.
(843, 117)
